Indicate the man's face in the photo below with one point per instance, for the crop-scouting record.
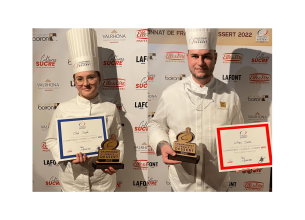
(201, 63)
(87, 83)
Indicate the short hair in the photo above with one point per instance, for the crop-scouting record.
(98, 74)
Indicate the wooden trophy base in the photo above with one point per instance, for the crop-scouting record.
(116, 166)
(188, 159)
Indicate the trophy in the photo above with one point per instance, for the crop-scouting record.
(185, 151)
(108, 156)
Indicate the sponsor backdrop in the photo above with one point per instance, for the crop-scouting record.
(136, 62)
(123, 63)
(244, 62)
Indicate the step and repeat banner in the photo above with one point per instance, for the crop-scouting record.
(137, 62)
(244, 62)
(123, 63)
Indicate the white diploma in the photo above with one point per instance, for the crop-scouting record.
(83, 135)
(243, 146)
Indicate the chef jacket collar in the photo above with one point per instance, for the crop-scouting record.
(195, 87)
(86, 102)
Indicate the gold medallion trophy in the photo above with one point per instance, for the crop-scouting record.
(108, 156)
(185, 151)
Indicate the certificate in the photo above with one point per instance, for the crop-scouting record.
(243, 146)
(83, 135)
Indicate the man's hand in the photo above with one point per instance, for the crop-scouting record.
(165, 151)
(247, 170)
(110, 171)
(80, 158)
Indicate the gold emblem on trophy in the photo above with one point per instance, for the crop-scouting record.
(185, 151)
(108, 156)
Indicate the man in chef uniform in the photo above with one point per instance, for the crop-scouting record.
(202, 103)
(78, 175)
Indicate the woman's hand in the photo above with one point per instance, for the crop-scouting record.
(80, 158)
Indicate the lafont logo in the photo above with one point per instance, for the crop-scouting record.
(175, 56)
(50, 163)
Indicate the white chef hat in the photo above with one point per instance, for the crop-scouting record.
(201, 38)
(83, 49)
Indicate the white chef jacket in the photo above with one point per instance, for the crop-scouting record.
(184, 104)
(83, 177)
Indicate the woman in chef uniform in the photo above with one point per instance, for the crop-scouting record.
(78, 174)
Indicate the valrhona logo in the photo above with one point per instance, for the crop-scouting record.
(53, 182)
(48, 85)
(152, 97)
(175, 56)
(259, 78)
(45, 37)
(114, 84)
(113, 61)
(45, 62)
(257, 117)
(142, 127)
(114, 37)
(141, 35)
(141, 148)
(232, 58)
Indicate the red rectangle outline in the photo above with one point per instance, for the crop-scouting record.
(249, 165)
